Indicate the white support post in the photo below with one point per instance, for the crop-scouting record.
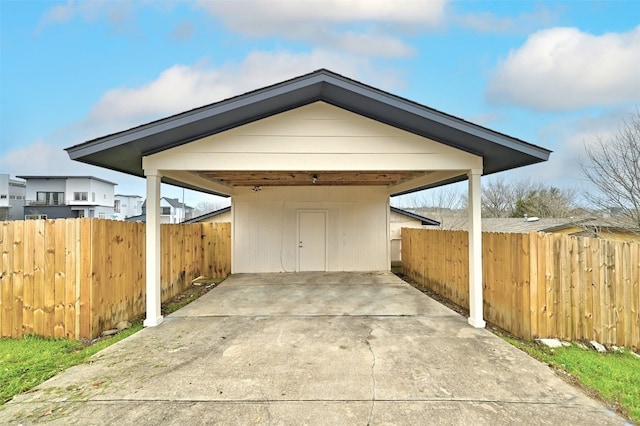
(154, 316)
(475, 250)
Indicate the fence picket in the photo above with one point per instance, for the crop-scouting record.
(28, 272)
(6, 285)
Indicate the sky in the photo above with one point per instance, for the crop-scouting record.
(555, 74)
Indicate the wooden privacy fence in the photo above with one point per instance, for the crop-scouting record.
(537, 284)
(75, 278)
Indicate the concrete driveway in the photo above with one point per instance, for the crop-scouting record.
(311, 348)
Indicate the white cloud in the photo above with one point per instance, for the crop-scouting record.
(568, 139)
(564, 68)
(183, 87)
(377, 23)
(267, 16)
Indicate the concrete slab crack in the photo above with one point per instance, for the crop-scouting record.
(373, 378)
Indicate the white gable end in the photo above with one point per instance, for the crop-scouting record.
(317, 136)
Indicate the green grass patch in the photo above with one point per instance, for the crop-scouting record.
(27, 362)
(614, 377)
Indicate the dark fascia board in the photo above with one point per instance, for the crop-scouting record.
(123, 151)
(423, 220)
(208, 215)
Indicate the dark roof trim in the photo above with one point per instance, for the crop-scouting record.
(423, 220)
(66, 177)
(208, 215)
(123, 151)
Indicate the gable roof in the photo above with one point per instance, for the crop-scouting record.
(503, 224)
(423, 220)
(123, 151)
(173, 202)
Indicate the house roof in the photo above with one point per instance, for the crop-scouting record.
(208, 215)
(123, 151)
(423, 220)
(173, 202)
(594, 223)
(509, 224)
(139, 218)
(66, 177)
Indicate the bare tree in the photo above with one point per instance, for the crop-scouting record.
(501, 198)
(612, 165)
(446, 204)
(205, 207)
(547, 202)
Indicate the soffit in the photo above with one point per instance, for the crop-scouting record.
(306, 178)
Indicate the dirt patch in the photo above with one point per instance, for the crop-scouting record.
(200, 287)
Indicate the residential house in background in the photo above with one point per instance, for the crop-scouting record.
(125, 206)
(399, 219)
(54, 197)
(12, 195)
(220, 215)
(606, 228)
(171, 211)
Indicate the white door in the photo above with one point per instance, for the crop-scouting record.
(312, 240)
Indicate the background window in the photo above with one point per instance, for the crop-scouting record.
(35, 216)
(50, 198)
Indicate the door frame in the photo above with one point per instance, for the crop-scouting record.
(326, 235)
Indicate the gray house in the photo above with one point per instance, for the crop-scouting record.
(55, 197)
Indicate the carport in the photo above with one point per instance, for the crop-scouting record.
(310, 164)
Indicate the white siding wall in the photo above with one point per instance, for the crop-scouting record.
(397, 222)
(130, 205)
(318, 136)
(265, 227)
(43, 185)
(103, 193)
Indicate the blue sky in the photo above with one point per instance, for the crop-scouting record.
(556, 74)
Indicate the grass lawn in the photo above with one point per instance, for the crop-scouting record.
(614, 377)
(27, 362)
